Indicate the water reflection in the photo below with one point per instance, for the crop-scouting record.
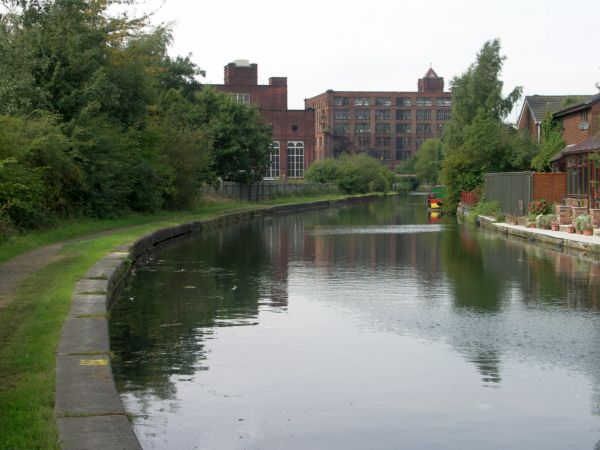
(383, 272)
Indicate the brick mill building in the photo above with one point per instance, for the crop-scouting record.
(390, 126)
(293, 130)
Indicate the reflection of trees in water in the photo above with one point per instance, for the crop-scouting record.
(485, 266)
(160, 335)
(170, 305)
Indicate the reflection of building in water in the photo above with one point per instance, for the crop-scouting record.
(277, 244)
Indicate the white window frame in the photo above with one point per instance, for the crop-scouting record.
(295, 159)
(273, 170)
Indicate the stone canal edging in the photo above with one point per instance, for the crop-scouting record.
(90, 414)
(590, 244)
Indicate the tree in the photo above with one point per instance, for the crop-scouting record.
(477, 140)
(428, 161)
(551, 143)
(241, 140)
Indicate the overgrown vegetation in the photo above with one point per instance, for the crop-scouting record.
(96, 119)
(551, 143)
(352, 174)
(428, 161)
(484, 208)
(477, 139)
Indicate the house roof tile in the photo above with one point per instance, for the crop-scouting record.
(539, 105)
(589, 145)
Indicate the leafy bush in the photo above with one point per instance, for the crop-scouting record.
(583, 222)
(484, 208)
(537, 207)
(352, 174)
(324, 171)
(545, 220)
(403, 187)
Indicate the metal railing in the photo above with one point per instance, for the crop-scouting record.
(267, 190)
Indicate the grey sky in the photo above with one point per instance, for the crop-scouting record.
(553, 47)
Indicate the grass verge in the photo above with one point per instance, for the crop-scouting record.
(31, 323)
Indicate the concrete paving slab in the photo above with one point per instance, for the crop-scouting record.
(87, 304)
(84, 335)
(97, 433)
(103, 272)
(91, 287)
(84, 385)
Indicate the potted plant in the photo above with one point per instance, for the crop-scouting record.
(583, 224)
(554, 226)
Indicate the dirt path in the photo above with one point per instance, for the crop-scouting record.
(14, 271)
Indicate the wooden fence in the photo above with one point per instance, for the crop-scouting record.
(515, 190)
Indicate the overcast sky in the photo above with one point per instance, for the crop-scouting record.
(552, 46)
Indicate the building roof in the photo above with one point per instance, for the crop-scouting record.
(539, 105)
(431, 74)
(586, 103)
(589, 145)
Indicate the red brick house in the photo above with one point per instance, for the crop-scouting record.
(293, 130)
(580, 125)
(535, 108)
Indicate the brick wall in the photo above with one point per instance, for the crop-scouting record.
(551, 187)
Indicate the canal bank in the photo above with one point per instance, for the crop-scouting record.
(89, 411)
(590, 244)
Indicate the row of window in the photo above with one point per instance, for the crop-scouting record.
(295, 160)
(365, 127)
(241, 98)
(386, 114)
(387, 101)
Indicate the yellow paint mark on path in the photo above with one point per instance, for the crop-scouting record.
(93, 362)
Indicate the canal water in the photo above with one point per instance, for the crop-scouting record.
(374, 326)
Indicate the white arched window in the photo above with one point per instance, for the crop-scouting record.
(273, 167)
(295, 159)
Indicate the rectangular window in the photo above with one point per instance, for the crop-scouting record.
(424, 114)
(362, 127)
(361, 114)
(423, 101)
(383, 127)
(383, 101)
(443, 101)
(403, 101)
(341, 114)
(273, 167)
(383, 114)
(403, 148)
(424, 128)
(403, 143)
(341, 127)
(243, 99)
(362, 101)
(341, 101)
(363, 142)
(441, 127)
(383, 141)
(403, 114)
(295, 159)
(402, 155)
(403, 128)
(443, 114)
